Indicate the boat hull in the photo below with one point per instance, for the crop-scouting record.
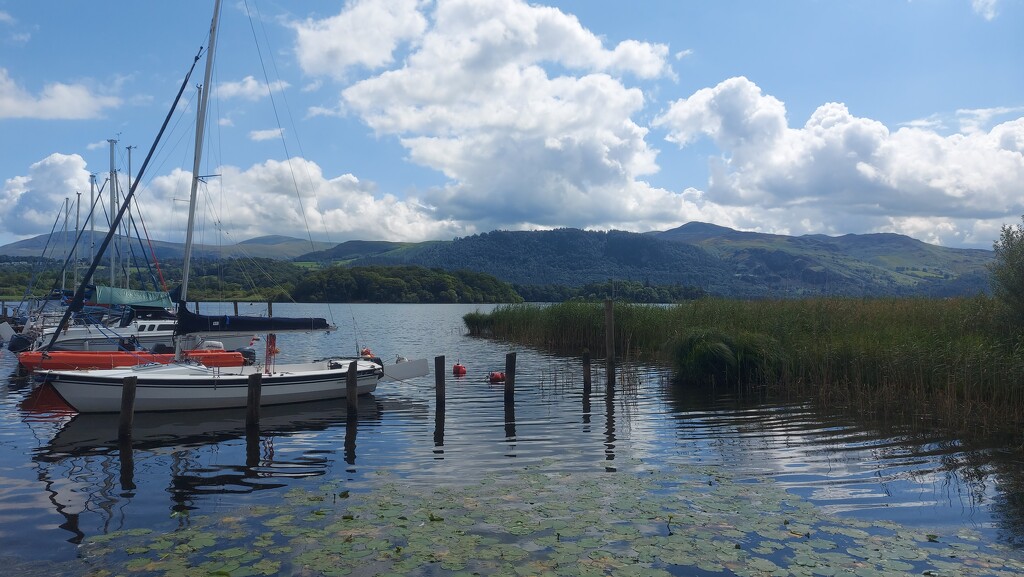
(182, 387)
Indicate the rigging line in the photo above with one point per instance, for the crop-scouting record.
(142, 248)
(261, 269)
(28, 289)
(152, 252)
(294, 127)
(277, 118)
(79, 299)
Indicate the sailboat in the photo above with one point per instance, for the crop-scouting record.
(188, 386)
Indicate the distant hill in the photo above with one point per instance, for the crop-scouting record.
(569, 257)
(874, 264)
(719, 260)
(276, 247)
(354, 249)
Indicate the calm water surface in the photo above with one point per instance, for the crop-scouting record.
(63, 477)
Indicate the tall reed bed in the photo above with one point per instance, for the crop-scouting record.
(953, 362)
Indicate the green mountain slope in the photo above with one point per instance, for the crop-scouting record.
(719, 260)
(870, 264)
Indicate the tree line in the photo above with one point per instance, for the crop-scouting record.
(264, 279)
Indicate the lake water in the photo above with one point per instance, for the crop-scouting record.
(641, 479)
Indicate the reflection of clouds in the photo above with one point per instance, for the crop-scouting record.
(654, 426)
(834, 463)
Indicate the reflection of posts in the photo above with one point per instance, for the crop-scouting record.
(252, 445)
(126, 456)
(350, 436)
(609, 430)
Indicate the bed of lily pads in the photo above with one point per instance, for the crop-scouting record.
(676, 521)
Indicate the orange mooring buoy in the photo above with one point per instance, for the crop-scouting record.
(459, 369)
(496, 376)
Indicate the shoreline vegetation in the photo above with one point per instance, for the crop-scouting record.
(955, 364)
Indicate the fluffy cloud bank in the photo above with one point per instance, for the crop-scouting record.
(535, 121)
(839, 172)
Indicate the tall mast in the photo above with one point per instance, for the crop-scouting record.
(78, 229)
(92, 219)
(127, 237)
(64, 271)
(113, 207)
(204, 96)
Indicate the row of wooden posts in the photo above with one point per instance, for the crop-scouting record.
(252, 412)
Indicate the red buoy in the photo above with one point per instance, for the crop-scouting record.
(459, 369)
(496, 376)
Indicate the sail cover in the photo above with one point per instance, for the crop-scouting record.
(190, 323)
(105, 295)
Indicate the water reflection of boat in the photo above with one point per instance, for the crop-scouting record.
(97, 433)
(90, 476)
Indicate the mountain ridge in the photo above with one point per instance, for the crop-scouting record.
(719, 260)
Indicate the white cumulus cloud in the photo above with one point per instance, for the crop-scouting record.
(841, 173)
(55, 101)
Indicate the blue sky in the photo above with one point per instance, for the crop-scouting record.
(412, 120)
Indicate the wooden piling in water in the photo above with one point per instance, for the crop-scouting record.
(586, 370)
(124, 428)
(236, 308)
(510, 376)
(609, 339)
(351, 391)
(439, 383)
(252, 402)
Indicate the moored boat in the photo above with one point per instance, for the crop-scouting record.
(184, 386)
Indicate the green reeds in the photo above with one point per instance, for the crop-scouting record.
(949, 361)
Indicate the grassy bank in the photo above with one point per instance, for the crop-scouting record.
(951, 362)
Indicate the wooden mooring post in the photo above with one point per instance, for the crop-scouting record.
(609, 339)
(586, 371)
(510, 377)
(439, 383)
(127, 420)
(253, 399)
(351, 388)
(439, 404)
